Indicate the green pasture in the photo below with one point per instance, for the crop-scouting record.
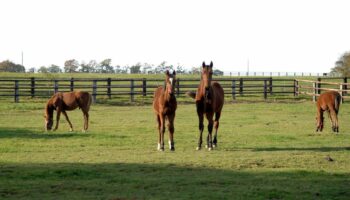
(265, 151)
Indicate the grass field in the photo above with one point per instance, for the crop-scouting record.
(265, 151)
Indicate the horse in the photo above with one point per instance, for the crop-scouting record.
(330, 102)
(164, 106)
(66, 101)
(209, 100)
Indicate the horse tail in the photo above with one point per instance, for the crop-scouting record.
(337, 101)
(191, 94)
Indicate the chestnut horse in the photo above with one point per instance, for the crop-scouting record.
(209, 100)
(330, 102)
(164, 106)
(66, 101)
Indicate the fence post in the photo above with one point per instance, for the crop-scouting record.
(318, 85)
(94, 91)
(178, 87)
(32, 87)
(16, 91)
(345, 87)
(241, 86)
(55, 87)
(71, 84)
(132, 90)
(296, 88)
(144, 87)
(109, 87)
(270, 86)
(265, 89)
(233, 89)
(341, 87)
(314, 97)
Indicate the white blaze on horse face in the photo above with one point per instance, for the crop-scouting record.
(171, 80)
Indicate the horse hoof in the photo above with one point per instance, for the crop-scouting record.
(198, 148)
(172, 149)
(214, 146)
(209, 149)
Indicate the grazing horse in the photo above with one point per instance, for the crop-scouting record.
(330, 102)
(209, 101)
(66, 101)
(164, 106)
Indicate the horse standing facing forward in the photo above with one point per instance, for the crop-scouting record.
(66, 101)
(209, 101)
(164, 106)
(330, 102)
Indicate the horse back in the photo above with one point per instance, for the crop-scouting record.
(330, 99)
(219, 96)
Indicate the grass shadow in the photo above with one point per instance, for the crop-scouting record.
(164, 181)
(31, 134)
(317, 149)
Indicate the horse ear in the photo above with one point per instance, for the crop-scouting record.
(174, 73)
(167, 72)
(203, 64)
(211, 64)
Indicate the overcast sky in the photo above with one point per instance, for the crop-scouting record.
(274, 35)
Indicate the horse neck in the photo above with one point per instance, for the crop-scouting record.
(201, 91)
(166, 96)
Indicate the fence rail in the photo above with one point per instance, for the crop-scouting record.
(111, 87)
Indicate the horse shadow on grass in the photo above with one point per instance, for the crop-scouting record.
(316, 149)
(164, 181)
(36, 134)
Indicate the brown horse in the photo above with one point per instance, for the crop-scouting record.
(164, 106)
(209, 100)
(330, 102)
(66, 101)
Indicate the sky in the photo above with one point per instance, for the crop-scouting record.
(264, 36)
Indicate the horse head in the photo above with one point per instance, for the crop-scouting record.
(169, 84)
(206, 77)
(49, 117)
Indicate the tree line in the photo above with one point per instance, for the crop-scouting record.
(105, 66)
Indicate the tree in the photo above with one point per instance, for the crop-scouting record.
(88, 67)
(8, 66)
(71, 66)
(180, 69)
(105, 66)
(196, 70)
(342, 65)
(160, 68)
(135, 69)
(31, 70)
(42, 69)
(54, 69)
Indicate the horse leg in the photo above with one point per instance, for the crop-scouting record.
(70, 124)
(334, 118)
(201, 128)
(161, 133)
(57, 118)
(86, 119)
(171, 132)
(216, 126)
(210, 130)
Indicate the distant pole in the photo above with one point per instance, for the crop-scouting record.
(248, 66)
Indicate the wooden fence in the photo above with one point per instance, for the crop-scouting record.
(110, 87)
(315, 88)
